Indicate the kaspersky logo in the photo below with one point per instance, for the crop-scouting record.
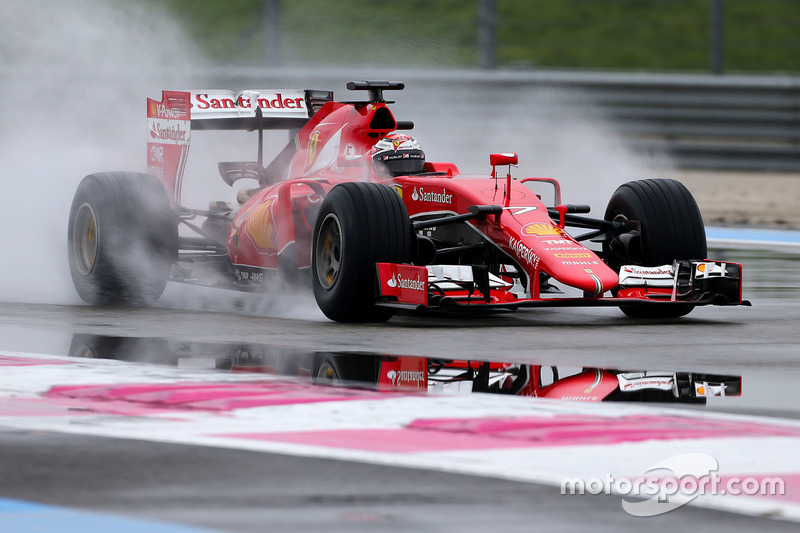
(523, 252)
(436, 197)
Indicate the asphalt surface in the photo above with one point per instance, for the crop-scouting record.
(254, 492)
(246, 491)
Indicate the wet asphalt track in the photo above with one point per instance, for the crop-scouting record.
(234, 490)
(245, 491)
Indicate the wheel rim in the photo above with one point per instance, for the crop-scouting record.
(327, 375)
(84, 351)
(84, 239)
(328, 251)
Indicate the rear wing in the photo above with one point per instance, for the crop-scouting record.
(253, 109)
(171, 120)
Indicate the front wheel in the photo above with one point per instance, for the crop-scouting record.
(359, 225)
(669, 227)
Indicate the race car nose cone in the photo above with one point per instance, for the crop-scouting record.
(582, 270)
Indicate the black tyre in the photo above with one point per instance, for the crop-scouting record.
(359, 224)
(140, 350)
(354, 369)
(122, 238)
(670, 227)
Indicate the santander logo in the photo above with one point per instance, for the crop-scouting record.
(656, 271)
(406, 283)
(436, 197)
(408, 376)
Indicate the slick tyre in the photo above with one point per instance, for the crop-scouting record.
(139, 350)
(359, 225)
(122, 238)
(354, 369)
(670, 227)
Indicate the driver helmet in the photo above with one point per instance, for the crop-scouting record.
(398, 154)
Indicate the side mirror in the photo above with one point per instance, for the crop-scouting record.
(508, 158)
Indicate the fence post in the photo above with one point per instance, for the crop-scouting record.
(717, 36)
(272, 32)
(487, 34)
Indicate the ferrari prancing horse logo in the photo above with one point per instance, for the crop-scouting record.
(312, 146)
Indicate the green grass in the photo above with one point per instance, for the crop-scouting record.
(672, 35)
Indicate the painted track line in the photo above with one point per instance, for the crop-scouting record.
(25, 517)
(753, 238)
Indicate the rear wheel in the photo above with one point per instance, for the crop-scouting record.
(359, 225)
(122, 238)
(670, 227)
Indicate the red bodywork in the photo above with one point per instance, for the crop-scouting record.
(274, 227)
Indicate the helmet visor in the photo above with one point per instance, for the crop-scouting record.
(403, 162)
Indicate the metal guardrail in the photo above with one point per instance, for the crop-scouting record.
(702, 121)
(707, 122)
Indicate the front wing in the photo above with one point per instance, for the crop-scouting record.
(473, 288)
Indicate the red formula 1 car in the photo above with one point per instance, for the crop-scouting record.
(353, 207)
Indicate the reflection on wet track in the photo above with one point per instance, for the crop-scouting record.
(410, 373)
(757, 343)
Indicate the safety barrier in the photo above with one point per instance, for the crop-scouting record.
(726, 122)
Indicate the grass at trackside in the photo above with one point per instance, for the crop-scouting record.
(760, 35)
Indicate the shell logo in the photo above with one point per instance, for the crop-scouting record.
(541, 230)
(261, 227)
(152, 108)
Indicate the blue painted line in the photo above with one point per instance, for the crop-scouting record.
(753, 238)
(750, 234)
(25, 517)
